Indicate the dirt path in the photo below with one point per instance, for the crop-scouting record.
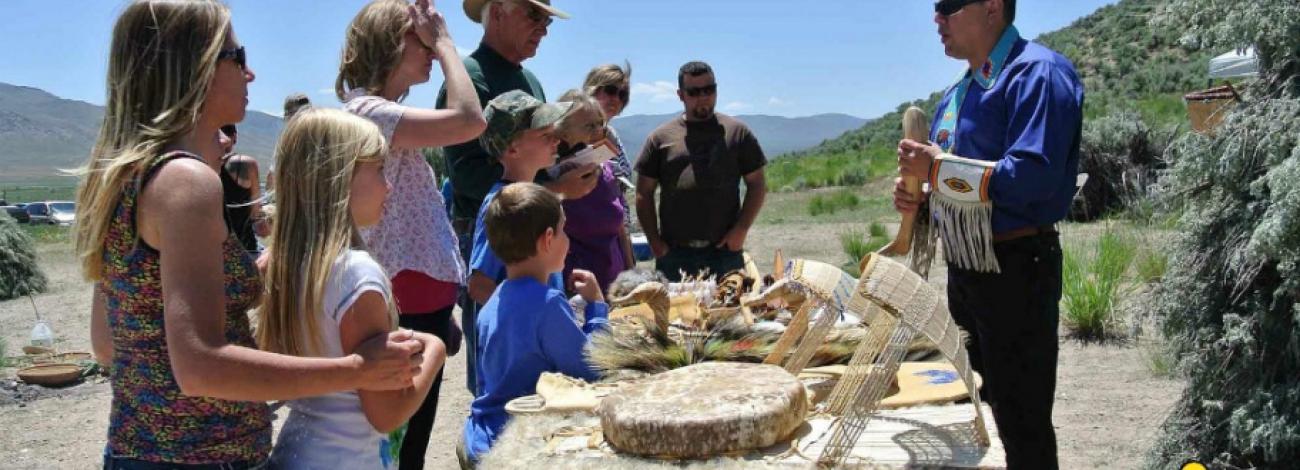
(1108, 404)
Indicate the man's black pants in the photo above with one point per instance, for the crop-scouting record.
(421, 424)
(1012, 320)
(694, 261)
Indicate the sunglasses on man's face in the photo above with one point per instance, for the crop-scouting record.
(537, 16)
(236, 54)
(950, 7)
(614, 90)
(706, 90)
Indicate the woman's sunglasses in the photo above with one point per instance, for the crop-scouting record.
(614, 90)
(236, 54)
(950, 7)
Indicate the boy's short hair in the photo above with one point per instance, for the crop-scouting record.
(517, 217)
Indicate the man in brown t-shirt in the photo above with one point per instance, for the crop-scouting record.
(699, 159)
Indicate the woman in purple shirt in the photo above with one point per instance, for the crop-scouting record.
(596, 222)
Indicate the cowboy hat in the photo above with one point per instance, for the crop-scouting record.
(474, 8)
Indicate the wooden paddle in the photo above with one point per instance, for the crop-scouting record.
(915, 127)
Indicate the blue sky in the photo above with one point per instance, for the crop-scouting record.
(780, 57)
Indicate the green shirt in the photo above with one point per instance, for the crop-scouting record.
(471, 169)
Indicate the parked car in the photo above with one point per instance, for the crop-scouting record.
(18, 213)
(52, 212)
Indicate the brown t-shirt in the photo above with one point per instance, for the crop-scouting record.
(699, 166)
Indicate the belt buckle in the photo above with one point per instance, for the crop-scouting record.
(697, 244)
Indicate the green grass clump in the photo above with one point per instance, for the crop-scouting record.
(857, 245)
(46, 234)
(1161, 359)
(4, 352)
(829, 204)
(1093, 282)
(1151, 265)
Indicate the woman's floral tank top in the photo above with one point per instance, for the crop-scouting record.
(151, 420)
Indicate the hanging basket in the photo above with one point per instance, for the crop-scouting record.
(1207, 108)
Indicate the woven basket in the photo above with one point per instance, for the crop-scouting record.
(50, 375)
(1207, 108)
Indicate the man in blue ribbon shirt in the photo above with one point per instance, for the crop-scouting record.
(1001, 167)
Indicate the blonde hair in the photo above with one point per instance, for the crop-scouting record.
(315, 158)
(608, 74)
(585, 122)
(162, 59)
(373, 47)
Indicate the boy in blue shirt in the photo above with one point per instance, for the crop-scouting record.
(520, 134)
(527, 326)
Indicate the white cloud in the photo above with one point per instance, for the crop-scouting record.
(325, 91)
(658, 92)
(778, 102)
(735, 106)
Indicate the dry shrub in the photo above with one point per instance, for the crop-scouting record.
(19, 273)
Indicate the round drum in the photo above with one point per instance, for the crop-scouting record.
(704, 410)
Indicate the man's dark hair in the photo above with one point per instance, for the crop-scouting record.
(1009, 11)
(693, 68)
(229, 130)
(518, 217)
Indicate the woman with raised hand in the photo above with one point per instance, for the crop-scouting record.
(173, 285)
(330, 294)
(390, 46)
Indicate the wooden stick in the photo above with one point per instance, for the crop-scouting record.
(915, 127)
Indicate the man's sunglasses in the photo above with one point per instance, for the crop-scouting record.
(614, 90)
(537, 16)
(237, 54)
(949, 7)
(706, 90)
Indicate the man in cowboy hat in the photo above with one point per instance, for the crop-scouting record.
(1002, 169)
(512, 32)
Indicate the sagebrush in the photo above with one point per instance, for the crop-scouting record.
(19, 272)
(1230, 296)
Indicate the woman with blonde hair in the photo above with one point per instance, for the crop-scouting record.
(330, 294)
(390, 46)
(172, 284)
